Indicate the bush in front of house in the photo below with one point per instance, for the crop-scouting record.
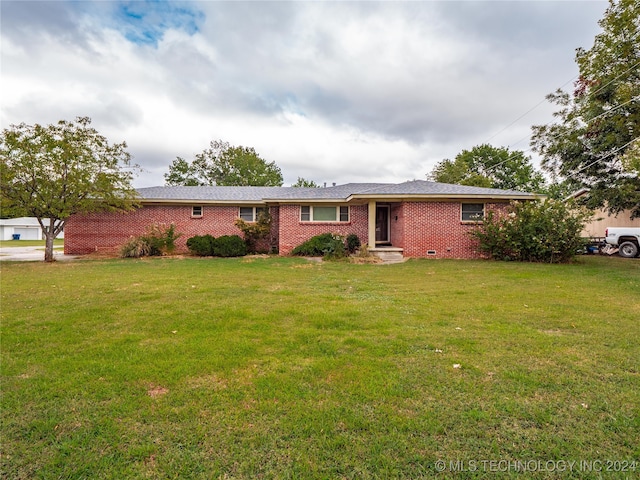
(136, 247)
(224, 246)
(353, 243)
(201, 245)
(159, 240)
(325, 245)
(255, 233)
(548, 231)
(229, 246)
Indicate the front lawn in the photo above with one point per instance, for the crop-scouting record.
(281, 368)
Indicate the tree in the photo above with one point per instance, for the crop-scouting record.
(491, 167)
(594, 142)
(181, 173)
(223, 164)
(548, 231)
(304, 183)
(52, 172)
(631, 158)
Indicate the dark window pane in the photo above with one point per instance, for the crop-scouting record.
(305, 213)
(344, 214)
(246, 214)
(472, 212)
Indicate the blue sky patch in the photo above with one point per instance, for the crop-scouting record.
(145, 22)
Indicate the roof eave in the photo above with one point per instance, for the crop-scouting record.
(431, 196)
(355, 197)
(304, 200)
(169, 201)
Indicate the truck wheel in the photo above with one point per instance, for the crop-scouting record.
(628, 250)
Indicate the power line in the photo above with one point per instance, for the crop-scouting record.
(590, 120)
(613, 109)
(615, 78)
(598, 90)
(527, 112)
(594, 118)
(606, 156)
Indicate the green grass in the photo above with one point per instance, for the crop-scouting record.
(279, 368)
(58, 242)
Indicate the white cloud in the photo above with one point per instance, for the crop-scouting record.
(329, 91)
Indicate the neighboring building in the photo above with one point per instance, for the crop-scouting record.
(602, 219)
(27, 227)
(416, 218)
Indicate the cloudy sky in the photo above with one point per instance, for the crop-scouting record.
(330, 91)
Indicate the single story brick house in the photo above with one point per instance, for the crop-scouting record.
(414, 219)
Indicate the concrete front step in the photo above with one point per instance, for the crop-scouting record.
(388, 254)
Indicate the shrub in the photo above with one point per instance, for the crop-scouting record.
(533, 232)
(363, 251)
(159, 240)
(155, 245)
(325, 245)
(229, 246)
(224, 246)
(169, 237)
(256, 231)
(136, 247)
(353, 243)
(201, 245)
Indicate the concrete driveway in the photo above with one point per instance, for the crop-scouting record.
(30, 254)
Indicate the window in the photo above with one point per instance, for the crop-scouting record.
(324, 214)
(196, 211)
(472, 212)
(344, 214)
(250, 214)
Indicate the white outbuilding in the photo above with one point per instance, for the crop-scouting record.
(22, 228)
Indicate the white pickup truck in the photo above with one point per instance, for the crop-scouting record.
(626, 240)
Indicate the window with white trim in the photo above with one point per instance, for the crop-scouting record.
(316, 213)
(196, 211)
(250, 214)
(472, 212)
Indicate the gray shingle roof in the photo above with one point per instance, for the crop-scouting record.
(419, 188)
(339, 192)
(423, 187)
(223, 194)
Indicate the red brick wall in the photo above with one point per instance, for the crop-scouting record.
(293, 232)
(108, 231)
(436, 226)
(397, 225)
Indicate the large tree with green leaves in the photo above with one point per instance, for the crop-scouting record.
(595, 141)
(488, 166)
(226, 165)
(52, 172)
